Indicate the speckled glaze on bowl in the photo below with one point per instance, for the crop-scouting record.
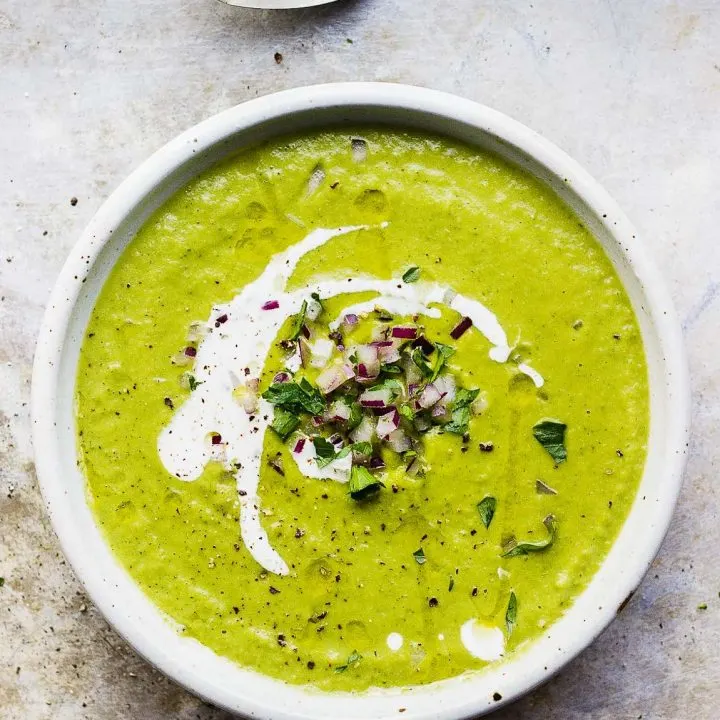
(111, 588)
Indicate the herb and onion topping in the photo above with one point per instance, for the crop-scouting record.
(355, 402)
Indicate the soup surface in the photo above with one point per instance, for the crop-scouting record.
(362, 408)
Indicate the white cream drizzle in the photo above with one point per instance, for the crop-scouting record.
(235, 351)
(395, 641)
(482, 641)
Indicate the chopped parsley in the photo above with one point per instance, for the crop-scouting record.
(543, 488)
(296, 397)
(461, 411)
(284, 422)
(551, 435)
(511, 613)
(515, 548)
(419, 556)
(362, 483)
(486, 508)
(299, 321)
(444, 353)
(411, 275)
(193, 383)
(354, 658)
(324, 451)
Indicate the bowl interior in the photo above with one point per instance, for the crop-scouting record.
(63, 485)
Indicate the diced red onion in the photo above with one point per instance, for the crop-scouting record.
(220, 320)
(299, 445)
(190, 351)
(461, 328)
(281, 377)
(305, 330)
(412, 387)
(321, 352)
(448, 296)
(413, 467)
(216, 439)
(424, 344)
(439, 411)
(388, 355)
(388, 423)
(271, 305)
(336, 440)
(413, 376)
(429, 396)
(304, 352)
(382, 343)
(446, 387)
(364, 431)
(351, 319)
(378, 333)
(404, 333)
(367, 356)
(376, 462)
(333, 376)
(376, 398)
(479, 404)
(317, 420)
(399, 441)
(338, 412)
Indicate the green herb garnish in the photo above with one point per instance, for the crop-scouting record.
(407, 412)
(2, 581)
(418, 357)
(284, 422)
(511, 614)
(354, 658)
(443, 354)
(544, 489)
(296, 397)
(523, 548)
(411, 275)
(193, 383)
(486, 508)
(299, 321)
(461, 411)
(551, 435)
(362, 483)
(419, 556)
(356, 416)
(324, 451)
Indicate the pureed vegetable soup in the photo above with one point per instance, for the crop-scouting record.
(362, 408)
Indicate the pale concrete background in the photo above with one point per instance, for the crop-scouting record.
(630, 88)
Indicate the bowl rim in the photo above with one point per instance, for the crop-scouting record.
(153, 173)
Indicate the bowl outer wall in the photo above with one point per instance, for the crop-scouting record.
(63, 486)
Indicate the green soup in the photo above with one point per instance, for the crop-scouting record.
(495, 517)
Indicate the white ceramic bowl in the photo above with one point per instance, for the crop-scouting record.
(63, 486)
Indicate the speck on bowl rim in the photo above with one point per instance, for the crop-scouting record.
(112, 590)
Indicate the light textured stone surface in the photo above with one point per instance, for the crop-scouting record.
(630, 88)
